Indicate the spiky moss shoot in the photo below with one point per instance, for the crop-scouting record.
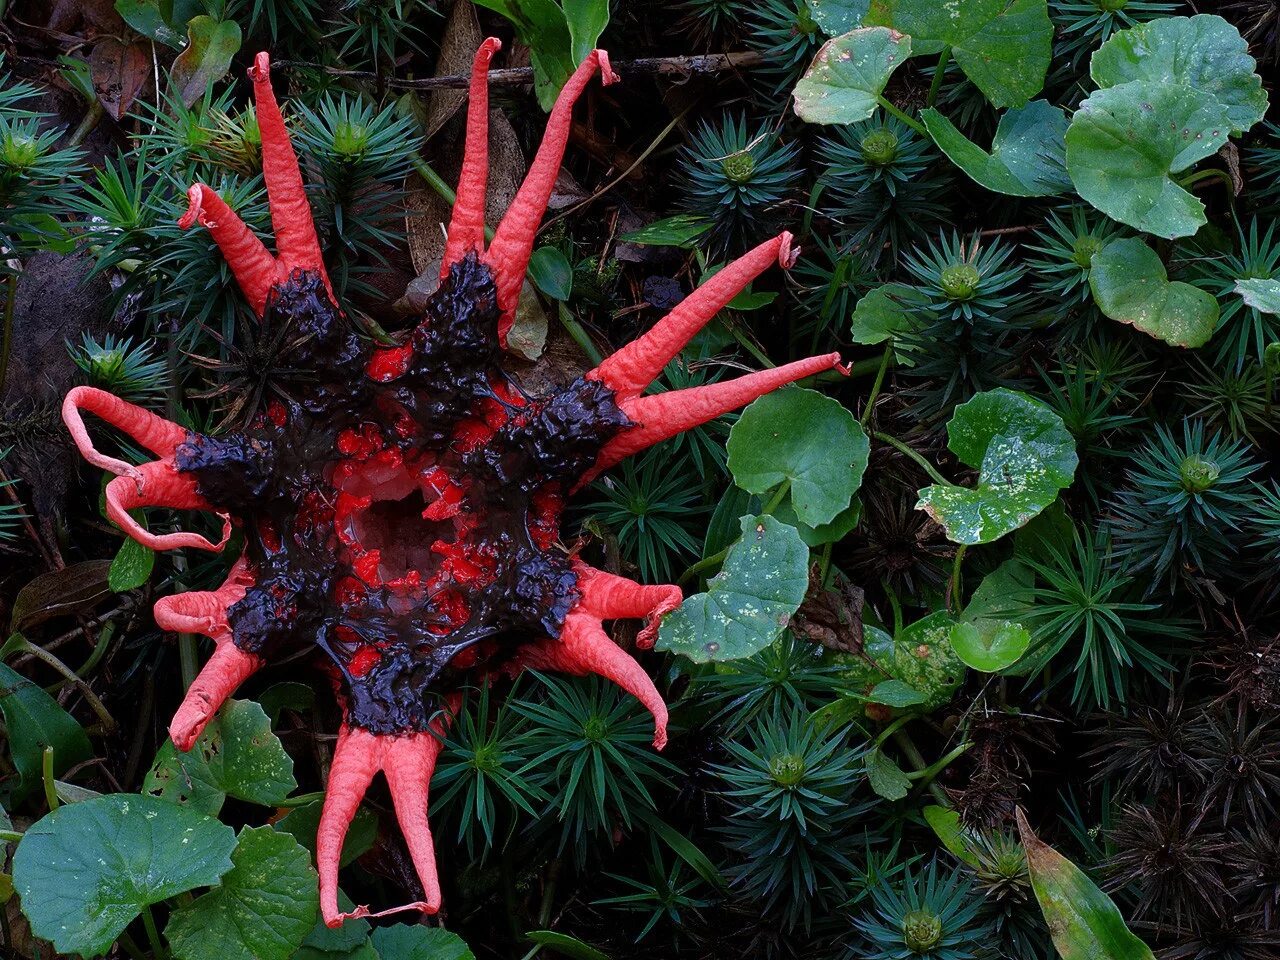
(829, 282)
(1243, 331)
(709, 20)
(933, 914)
(1059, 269)
(787, 672)
(790, 790)
(1081, 26)
(1262, 162)
(1186, 508)
(785, 32)
(737, 178)
(1085, 604)
(967, 279)
(881, 184)
(117, 365)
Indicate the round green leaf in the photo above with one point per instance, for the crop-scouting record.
(551, 272)
(1003, 46)
(1129, 284)
(263, 909)
(1024, 456)
(1125, 142)
(1261, 293)
(807, 438)
(749, 602)
(884, 313)
(990, 645)
(210, 46)
(846, 78)
(895, 693)
(1028, 153)
(920, 656)
(844, 523)
(237, 754)
(86, 870)
(835, 17)
(403, 942)
(131, 567)
(1204, 52)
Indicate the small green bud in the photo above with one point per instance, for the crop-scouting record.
(739, 167)
(960, 281)
(1198, 474)
(880, 147)
(1085, 249)
(921, 931)
(20, 151)
(350, 140)
(787, 770)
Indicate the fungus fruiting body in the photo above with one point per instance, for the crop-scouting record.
(400, 505)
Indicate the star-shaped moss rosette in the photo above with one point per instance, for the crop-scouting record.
(401, 510)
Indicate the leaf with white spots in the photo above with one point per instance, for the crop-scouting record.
(1024, 455)
(749, 602)
(1028, 155)
(236, 755)
(263, 910)
(86, 871)
(1261, 293)
(1130, 284)
(1204, 52)
(1126, 143)
(806, 438)
(846, 78)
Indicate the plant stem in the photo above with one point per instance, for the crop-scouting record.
(153, 935)
(924, 464)
(776, 500)
(877, 384)
(90, 697)
(910, 121)
(705, 563)
(131, 948)
(938, 72)
(1194, 178)
(926, 775)
(10, 836)
(956, 602)
(894, 605)
(46, 770)
(908, 746)
(442, 189)
(578, 333)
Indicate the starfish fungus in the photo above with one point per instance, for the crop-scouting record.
(400, 507)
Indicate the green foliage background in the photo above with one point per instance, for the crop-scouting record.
(1024, 557)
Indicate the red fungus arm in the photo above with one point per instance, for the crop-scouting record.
(356, 758)
(611, 597)
(205, 612)
(291, 221)
(158, 484)
(633, 367)
(664, 415)
(466, 227)
(508, 255)
(254, 267)
(584, 648)
(157, 434)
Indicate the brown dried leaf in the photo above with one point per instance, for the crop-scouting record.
(60, 593)
(458, 46)
(118, 73)
(831, 617)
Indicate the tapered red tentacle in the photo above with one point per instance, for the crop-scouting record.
(664, 415)
(508, 255)
(356, 758)
(157, 434)
(296, 242)
(410, 762)
(635, 366)
(251, 262)
(466, 226)
(218, 679)
(158, 484)
(611, 597)
(582, 648)
(205, 612)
